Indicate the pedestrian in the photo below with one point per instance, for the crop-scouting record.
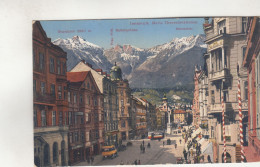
(209, 160)
(121, 163)
(136, 162)
(143, 142)
(144, 149)
(92, 159)
(175, 145)
(139, 162)
(141, 148)
(88, 159)
(180, 141)
(163, 143)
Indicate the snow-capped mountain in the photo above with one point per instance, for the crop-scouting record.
(172, 63)
(161, 66)
(78, 49)
(128, 57)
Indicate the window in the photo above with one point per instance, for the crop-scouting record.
(52, 90)
(80, 98)
(65, 118)
(64, 94)
(75, 98)
(53, 118)
(212, 97)
(222, 27)
(34, 118)
(244, 53)
(244, 23)
(60, 118)
(64, 69)
(245, 90)
(76, 139)
(55, 152)
(51, 65)
(70, 118)
(82, 136)
(86, 116)
(96, 117)
(43, 117)
(97, 136)
(121, 92)
(88, 99)
(58, 66)
(88, 86)
(68, 96)
(59, 92)
(34, 86)
(122, 102)
(95, 101)
(70, 138)
(43, 88)
(75, 119)
(123, 124)
(41, 61)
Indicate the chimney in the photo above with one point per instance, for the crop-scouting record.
(83, 61)
(88, 64)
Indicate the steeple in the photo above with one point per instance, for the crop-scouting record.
(164, 97)
(115, 73)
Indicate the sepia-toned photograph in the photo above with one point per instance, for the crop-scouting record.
(146, 91)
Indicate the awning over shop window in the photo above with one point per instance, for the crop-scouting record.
(198, 131)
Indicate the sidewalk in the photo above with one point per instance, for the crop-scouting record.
(97, 159)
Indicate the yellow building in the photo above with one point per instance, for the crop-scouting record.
(179, 116)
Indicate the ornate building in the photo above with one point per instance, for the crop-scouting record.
(124, 100)
(226, 43)
(86, 116)
(252, 63)
(50, 105)
(108, 89)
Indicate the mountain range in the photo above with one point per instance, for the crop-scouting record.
(161, 66)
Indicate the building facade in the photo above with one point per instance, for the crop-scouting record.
(86, 116)
(252, 63)
(141, 119)
(226, 42)
(109, 91)
(124, 102)
(195, 106)
(50, 105)
(179, 116)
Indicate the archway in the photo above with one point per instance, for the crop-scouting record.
(228, 158)
(245, 130)
(55, 153)
(46, 155)
(63, 159)
(37, 161)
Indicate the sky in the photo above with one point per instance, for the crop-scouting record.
(142, 33)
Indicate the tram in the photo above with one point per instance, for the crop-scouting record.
(155, 135)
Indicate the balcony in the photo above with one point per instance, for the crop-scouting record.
(222, 74)
(216, 108)
(48, 129)
(44, 98)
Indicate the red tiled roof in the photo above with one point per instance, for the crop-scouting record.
(108, 75)
(98, 70)
(77, 76)
(104, 73)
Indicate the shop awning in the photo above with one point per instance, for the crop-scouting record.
(198, 131)
(208, 149)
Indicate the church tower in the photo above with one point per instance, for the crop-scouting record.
(115, 73)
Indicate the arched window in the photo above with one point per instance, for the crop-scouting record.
(55, 152)
(63, 160)
(46, 155)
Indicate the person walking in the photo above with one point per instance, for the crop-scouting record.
(163, 143)
(144, 149)
(139, 162)
(121, 163)
(136, 162)
(180, 141)
(141, 148)
(92, 160)
(209, 160)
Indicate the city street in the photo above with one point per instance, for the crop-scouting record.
(157, 154)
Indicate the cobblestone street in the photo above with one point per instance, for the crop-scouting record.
(157, 154)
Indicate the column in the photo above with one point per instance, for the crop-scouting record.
(210, 61)
(223, 57)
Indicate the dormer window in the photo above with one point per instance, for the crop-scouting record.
(222, 27)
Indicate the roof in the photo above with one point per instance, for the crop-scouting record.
(98, 70)
(179, 112)
(77, 76)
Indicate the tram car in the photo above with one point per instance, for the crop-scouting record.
(155, 135)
